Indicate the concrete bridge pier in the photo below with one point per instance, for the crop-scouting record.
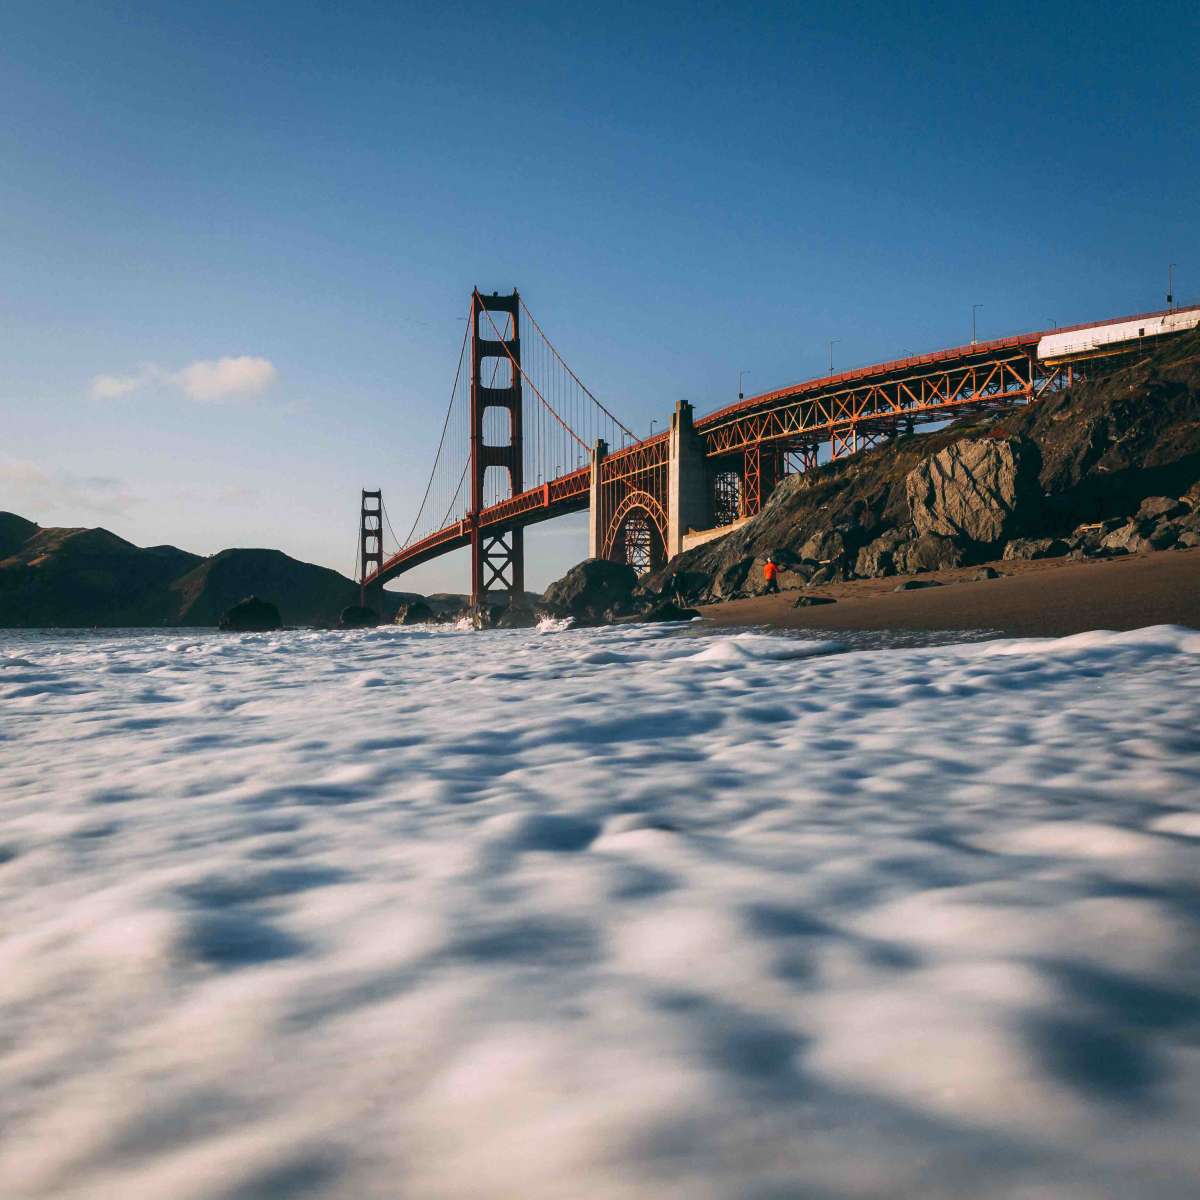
(689, 486)
(595, 532)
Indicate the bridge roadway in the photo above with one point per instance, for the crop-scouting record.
(849, 411)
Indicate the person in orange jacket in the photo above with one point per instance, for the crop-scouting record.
(771, 575)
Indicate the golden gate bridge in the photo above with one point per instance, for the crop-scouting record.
(524, 440)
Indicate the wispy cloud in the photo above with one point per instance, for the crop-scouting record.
(44, 495)
(112, 387)
(207, 381)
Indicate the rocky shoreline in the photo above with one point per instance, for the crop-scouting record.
(1050, 597)
(1106, 469)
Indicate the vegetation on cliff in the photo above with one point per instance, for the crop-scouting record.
(1110, 466)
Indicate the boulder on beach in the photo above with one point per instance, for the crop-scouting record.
(878, 557)
(977, 490)
(517, 616)
(251, 615)
(1036, 548)
(830, 572)
(916, 585)
(667, 611)
(929, 552)
(1129, 538)
(824, 545)
(813, 601)
(1155, 508)
(590, 590)
(357, 616)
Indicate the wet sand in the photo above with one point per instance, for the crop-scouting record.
(1044, 598)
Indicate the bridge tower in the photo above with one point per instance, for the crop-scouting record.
(370, 539)
(497, 557)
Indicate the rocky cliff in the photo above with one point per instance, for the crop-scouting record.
(1111, 466)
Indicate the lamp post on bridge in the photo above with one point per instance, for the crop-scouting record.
(1171, 287)
(741, 394)
(974, 309)
(830, 343)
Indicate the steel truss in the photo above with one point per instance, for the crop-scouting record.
(846, 415)
(636, 534)
(633, 487)
(783, 435)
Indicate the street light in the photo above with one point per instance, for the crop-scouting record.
(741, 394)
(974, 308)
(652, 425)
(1171, 287)
(831, 343)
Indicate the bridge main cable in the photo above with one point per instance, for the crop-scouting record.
(441, 443)
(524, 375)
(583, 386)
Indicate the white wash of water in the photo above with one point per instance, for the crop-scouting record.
(604, 914)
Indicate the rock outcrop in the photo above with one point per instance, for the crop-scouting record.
(929, 552)
(977, 490)
(665, 611)
(878, 557)
(517, 615)
(593, 592)
(358, 616)
(251, 615)
(1036, 548)
(417, 612)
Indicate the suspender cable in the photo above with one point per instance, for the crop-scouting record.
(566, 367)
(517, 366)
(441, 441)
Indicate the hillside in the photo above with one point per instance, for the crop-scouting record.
(305, 594)
(84, 577)
(1110, 466)
(64, 578)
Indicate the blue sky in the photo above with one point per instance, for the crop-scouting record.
(680, 191)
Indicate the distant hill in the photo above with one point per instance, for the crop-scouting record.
(14, 533)
(57, 577)
(305, 594)
(82, 577)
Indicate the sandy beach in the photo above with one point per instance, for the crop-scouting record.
(1049, 597)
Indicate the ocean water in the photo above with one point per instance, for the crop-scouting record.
(637, 912)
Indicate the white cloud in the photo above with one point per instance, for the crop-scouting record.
(113, 387)
(28, 489)
(206, 380)
(218, 379)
